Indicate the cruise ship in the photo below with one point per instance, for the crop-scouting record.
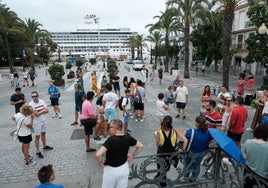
(94, 43)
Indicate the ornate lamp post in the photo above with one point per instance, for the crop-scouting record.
(263, 31)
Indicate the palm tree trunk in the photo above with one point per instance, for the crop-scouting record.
(10, 62)
(228, 17)
(132, 52)
(166, 52)
(186, 45)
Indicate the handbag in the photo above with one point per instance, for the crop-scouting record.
(15, 136)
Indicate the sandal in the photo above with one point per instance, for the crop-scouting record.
(90, 150)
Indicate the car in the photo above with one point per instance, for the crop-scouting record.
(129, 61)
(137, 65)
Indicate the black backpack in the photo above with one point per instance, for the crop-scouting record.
(120, 103)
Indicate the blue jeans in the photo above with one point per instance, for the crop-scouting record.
(169, 101)
(194, 160)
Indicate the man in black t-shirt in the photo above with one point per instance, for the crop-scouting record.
(115, 81)
(116, 148)
(17, 99)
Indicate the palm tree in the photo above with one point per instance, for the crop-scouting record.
(140, 45)
(33, 33)
(228, 17)
(155, 37)
(9, 22)
(132, 43)
(166, 24)
(185, 11)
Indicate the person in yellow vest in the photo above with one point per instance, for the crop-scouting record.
(94, 85)
(165, 140)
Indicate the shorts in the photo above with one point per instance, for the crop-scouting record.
(25, 139)
(180, 105)
(39, 127)
(235, 136)
(54, 101)
(78, 108)
(126, 118)
(116, 88)
(109, 114)
(32, 78)
(138, 106)
(88, 125)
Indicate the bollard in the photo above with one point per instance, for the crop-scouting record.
(1, 78)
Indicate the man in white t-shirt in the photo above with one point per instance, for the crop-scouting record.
(181, 98)
(220, 98)
(126, 105)
(40, 110)
(143, 73)
(161, 107)
(110, 103)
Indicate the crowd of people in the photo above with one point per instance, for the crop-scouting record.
(96, 111)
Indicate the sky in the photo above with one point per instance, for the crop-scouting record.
(68, 15)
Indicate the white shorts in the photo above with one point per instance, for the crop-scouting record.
(39, 127)
(115, 176)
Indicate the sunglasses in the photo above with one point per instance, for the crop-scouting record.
(35, 96)
(229, 100)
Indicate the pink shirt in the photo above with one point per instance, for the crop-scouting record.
(87, 110)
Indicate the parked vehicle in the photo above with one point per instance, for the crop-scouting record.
(129, 61)
(137, 65)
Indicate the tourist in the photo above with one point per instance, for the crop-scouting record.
(181, 98)
(17, 99)
(54, 93)
(24, 122)
(88, 119)
(241, 84)
(220, 98)
(115, 82)
(79, 97)
(168, 95)
(199, 139)
(126, 106)
(213, 117)
(116, 147)
(143, 73)
(255, 152)
(32, 75)
(250, 84)
(165, 140)
(151, 74)
(40, 110)
(110, 103)
(176, 83)
(227, 108)
(139, 94)
(260, 102)
(125, 82)
(25, 75)
(46, 176)
(16, 77)
(103, 82)
(160, 72)
(94, 79)
(161, 107)
(238, 119)
(204, 97)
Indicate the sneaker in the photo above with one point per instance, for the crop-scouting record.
(183, 117)
(225, 160)
(97, 138)
(129, 131)
(40, 155)
(55, 115)
(177, 116)
(30, 158)
(48, 148)
(142, 120)
(60, 116)
(136, 120)
(249, 129)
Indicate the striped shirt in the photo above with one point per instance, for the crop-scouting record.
(214, 119)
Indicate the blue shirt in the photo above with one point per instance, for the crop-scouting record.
(49, 185)
(200, 140)
(52, 90)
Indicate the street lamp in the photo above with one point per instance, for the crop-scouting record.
(262, 31)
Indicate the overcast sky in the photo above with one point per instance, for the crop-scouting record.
(68, 15)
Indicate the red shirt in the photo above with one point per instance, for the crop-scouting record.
(239, 117)
(214, 119)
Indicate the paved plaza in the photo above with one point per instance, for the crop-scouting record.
(73, 166)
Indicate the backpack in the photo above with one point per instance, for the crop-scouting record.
(137, 96)
(121, 101)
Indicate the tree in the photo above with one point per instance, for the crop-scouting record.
(257, 44)
(165, 24)
(185, 11)
(132, 43)
(207, 38)
(33, 33)
(140, 44)
(155, 37)
(9, 22)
